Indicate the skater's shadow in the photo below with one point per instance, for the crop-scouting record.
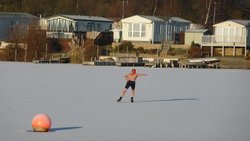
(168, 100)
(64, 128)
(60, 129)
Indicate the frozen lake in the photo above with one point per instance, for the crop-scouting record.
(170, 104)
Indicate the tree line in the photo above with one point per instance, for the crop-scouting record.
(198, 11)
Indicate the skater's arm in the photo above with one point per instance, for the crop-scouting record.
(141, 74)
(126, 77)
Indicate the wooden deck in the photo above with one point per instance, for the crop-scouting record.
(228, 42)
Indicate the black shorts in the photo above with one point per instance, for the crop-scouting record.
(130, 84)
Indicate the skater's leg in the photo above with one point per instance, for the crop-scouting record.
(132, 96)
(133, 93)
(122, 94)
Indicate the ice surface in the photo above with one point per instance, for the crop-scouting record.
(170, 104)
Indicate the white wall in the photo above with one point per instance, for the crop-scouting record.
(229, 32)
(190, 37)
(125, 33)
(117, 35)
(155, 30)
(128, 24)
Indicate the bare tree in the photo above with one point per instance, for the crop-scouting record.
(208, 6)
(15, 50)
(76, 53)
(155, 8)
(35, 42)
(170, 7)
(26, 44)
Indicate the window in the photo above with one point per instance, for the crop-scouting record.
(65, 29)
(136, 30)
(49, 26)
(76, 28)
(71, 28)
(98, 28)
(92, 26)
(161, 29)
(89, 27)
(143, 30)
(110, 27)
(129, 30)
(59, 27)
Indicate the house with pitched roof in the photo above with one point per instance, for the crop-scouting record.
(63, 26)
(143, 28)
(11, 20)
(195, 36)
(153, 29)
(174, 27)
(230, 38)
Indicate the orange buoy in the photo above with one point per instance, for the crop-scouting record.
(41, 123)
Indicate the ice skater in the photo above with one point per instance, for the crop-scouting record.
(131, 78)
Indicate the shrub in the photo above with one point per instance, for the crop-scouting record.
(176, 51)
(194, 51)
(125, 46)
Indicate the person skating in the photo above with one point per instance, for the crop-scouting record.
(130, 78)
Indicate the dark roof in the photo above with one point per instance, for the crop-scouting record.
(18, 15)
(242, 22)
(152, 18)
(84, 18)
(11, 19)
(177, 19)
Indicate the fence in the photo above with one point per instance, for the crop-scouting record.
(212, 39)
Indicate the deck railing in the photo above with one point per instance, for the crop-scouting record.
(213, 39)
(64, 35)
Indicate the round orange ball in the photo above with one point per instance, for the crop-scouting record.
(41, 123)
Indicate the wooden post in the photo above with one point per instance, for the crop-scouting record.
(15, 55)
(212, 46)
(25, 53)
(234, 51)
(223, 51)
(212, 51)
(245, 51)
(46, 51)
(245, 47)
